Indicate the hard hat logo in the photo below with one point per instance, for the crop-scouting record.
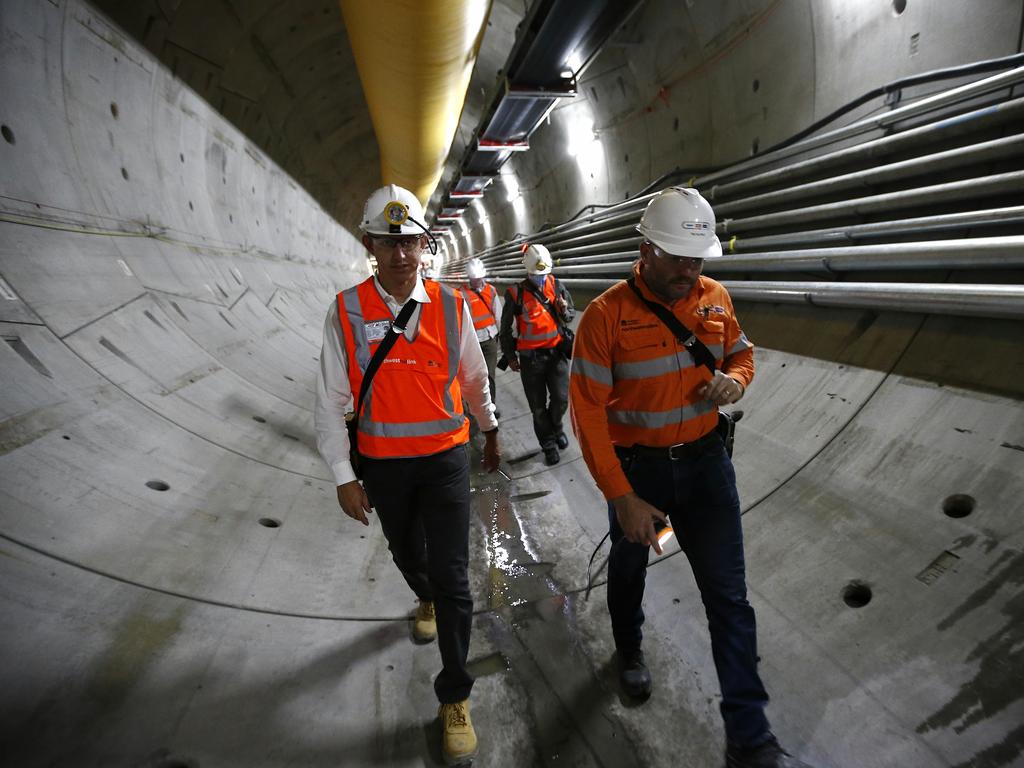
(680, 222)
(396, 213)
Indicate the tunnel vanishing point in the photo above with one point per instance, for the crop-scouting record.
(181, 185)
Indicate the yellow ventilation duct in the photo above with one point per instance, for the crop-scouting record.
(415, 58)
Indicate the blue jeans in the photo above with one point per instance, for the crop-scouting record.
(699, 496)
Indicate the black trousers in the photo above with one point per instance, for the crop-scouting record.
(423, 506)
(545, 375)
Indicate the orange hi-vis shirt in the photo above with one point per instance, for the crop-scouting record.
(414, 405)
(483, 315)
(634, 383)
(535, 327)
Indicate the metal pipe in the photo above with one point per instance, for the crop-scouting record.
(994, 301)
(966, 253)
(922, 106)
(850, 234)
(986, 151)
(957, 190)
(956, 125)
(874, 122)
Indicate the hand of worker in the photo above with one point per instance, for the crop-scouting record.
(513, 363)
(492, 453)
(354, 502)
(636, 518)
(722, 389)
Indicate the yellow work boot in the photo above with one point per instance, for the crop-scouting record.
(459, 740)
(424, 623)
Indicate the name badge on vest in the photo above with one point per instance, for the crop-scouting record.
(376, 330)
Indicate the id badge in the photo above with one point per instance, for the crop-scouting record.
(376, 330)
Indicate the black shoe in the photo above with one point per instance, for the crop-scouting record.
(562, 441)
(634, 676)
(767, 755)
(551, 456)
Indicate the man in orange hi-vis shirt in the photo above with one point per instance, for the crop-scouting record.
(644, 404)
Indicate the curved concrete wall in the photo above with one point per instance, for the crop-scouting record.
(178, 587)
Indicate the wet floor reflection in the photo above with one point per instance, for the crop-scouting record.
(533, 624)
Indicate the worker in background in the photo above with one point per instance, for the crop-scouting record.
(485, 306)
(532, 321)
(411, 434)
(645, 411)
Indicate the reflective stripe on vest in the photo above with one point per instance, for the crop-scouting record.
(535, 326)
(414, 404)
(653, 381)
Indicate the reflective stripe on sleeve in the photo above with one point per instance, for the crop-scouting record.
(742, 343)
(599, 373)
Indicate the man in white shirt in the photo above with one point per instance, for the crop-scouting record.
(411, 434)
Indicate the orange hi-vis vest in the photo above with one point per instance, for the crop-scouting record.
(535, 326)
(414, 405)
(483, 314)
(634, 383)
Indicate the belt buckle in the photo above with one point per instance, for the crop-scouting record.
(672, 451)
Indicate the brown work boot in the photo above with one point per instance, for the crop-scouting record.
(424, 623)
(459, 738)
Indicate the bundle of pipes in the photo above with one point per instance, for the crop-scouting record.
(796, 209)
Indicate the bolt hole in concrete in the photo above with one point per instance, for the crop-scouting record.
(899, 6)
(124, 173)
(157, 485)
(958, 505)
(269, 522)
(856, 594)
(7, 133)
(114, 110)
(259, 419)
(757, 85)
(289, 378)
(66, 437)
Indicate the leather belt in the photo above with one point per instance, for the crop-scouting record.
(676, 452)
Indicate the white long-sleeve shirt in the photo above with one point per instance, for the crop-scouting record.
(334, 396)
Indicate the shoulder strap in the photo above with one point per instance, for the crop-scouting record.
(543, 300)
(397, 329)
(701, 354)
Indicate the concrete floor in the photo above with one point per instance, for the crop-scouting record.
(178, 587)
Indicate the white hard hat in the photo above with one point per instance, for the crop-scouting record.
(475, 268)
(537, 259)
(392, 210)
(680, 222)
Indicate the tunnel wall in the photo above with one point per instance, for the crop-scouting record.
(164, 287)
(698, 85)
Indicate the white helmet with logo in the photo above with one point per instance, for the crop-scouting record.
(680, 222)
(537, 259)
(392, 210)
(475, 269)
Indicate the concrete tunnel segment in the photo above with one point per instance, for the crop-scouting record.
(179, 588)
